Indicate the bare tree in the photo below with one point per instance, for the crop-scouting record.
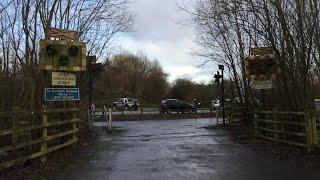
(24, 23)
(228, 28)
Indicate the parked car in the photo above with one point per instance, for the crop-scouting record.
(176, 105)
(217, 104)
(126, 104)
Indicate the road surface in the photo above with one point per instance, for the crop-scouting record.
(175, 149)
(145, 111)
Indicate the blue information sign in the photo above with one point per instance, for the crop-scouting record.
(61, 94)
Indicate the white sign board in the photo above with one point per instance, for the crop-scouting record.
(63, 79)
(263, 84)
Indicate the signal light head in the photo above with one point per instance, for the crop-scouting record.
(51, 50)
(63, 60)
(73, 50)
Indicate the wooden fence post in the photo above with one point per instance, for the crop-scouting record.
(275, 124)
(314, 129)
(14, 125)
(43, 158)
(74, 128)
(106, 113)
(308, 130)
(255, 123)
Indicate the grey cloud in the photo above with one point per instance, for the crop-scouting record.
(159, 36)
(157, 20)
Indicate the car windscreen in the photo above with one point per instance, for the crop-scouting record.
(171, 101)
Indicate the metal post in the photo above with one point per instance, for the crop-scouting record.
(223, 106)
(217, 116)
(110, 120)
(90, 93)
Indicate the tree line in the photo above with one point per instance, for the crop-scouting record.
(135, 75)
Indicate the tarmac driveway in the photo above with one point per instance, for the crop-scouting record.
(175, 149)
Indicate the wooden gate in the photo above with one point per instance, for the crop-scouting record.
(296, 128)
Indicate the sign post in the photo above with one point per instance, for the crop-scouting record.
(61, 57)
(262, 66)
(217, 80)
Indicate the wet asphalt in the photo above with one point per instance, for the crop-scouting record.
(175, 149)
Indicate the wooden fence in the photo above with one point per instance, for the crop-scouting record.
(26, 135)
(237, 113)
(295, 128)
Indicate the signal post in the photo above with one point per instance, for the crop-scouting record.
(62, 59)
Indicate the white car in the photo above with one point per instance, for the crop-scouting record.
(126, 104)
(215, 104)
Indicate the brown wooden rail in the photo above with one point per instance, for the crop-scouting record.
(67, 129)
(295, 128)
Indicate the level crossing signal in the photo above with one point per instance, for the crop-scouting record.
(62, 55)
(217, 77)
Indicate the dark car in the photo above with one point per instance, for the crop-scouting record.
(176, 105)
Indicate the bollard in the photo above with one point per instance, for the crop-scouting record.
(217, 116)
(110, 120)
(105, 116)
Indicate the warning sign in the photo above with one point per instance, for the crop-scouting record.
(62, 33)
(263, 84)
(63, 79)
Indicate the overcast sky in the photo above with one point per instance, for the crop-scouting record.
(158, 34)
